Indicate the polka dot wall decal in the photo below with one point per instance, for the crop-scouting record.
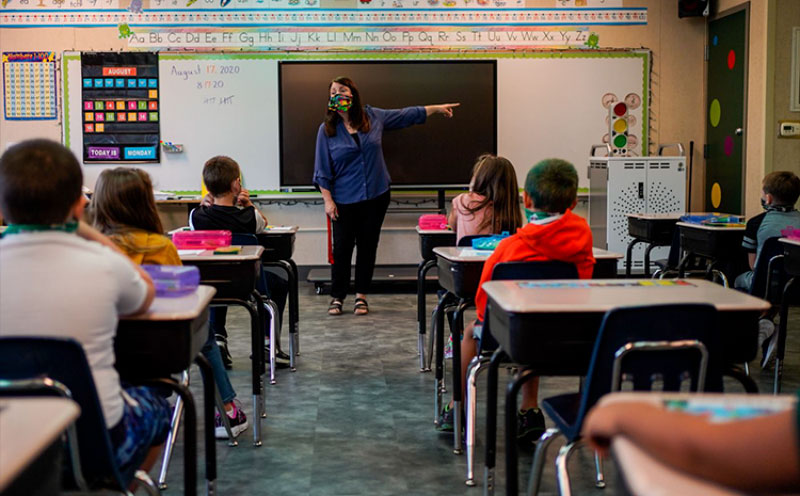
(715, 40)
(731, 59)
(714, 112)
(716, 195)
(728, 145)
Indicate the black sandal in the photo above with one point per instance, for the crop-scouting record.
(335, 308)
(361, 304)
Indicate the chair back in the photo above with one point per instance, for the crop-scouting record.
(244, 239)
(467, 240)
(63, 360)
(649, 344)
(769, 276)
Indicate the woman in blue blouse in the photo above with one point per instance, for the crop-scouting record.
(351, 173)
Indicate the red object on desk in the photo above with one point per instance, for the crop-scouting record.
(330, 242)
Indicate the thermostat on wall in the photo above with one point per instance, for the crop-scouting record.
(789, 129)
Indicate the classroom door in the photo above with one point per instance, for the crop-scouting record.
(726, 109)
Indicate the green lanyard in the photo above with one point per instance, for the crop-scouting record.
(69, 227)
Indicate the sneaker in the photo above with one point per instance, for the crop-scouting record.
(767, 340)
(446, 420)
(236, 418)
(227, 361)
(448, 348)
(530, 425)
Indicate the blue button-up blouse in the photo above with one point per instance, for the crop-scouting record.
(355, 173)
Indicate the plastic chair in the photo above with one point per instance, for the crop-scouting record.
(56, 366)
(644, 345)
(502, 271)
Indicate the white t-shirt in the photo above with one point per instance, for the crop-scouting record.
(54, 283)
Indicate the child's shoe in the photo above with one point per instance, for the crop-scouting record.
(448, 348)
(446, 419)
(237, 420)
(530, 425)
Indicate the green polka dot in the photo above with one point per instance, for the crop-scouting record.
(620, 141)
(714, 113)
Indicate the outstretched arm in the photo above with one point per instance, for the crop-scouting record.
(754, 454)
(444, 108)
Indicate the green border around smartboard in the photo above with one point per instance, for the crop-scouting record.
(643, 54)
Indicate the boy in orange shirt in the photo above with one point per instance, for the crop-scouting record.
(553, 233)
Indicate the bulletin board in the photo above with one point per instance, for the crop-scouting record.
(549, 104)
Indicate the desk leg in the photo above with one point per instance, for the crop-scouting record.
(255, 307)
(629, 256)
(647, 259)
(491, 422)
(782, 331)
(682, 264)
(512, 476)
(422, 269)
(209, 388)
(456, 333)
(294, 314)
(438, 335)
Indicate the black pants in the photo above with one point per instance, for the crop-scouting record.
(359, 224)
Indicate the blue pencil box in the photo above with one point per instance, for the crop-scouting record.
(173, 280)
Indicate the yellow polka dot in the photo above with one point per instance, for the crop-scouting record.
(714, 113)
(716, 195)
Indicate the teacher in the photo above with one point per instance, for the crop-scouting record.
(351, 174)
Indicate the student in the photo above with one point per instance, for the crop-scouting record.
(554, 233)
(227, 206)
(62, 278)
(492, 204)
(124, 209)
(779, 193)
(758, 455)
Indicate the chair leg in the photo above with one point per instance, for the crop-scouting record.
(599, 477)
(562, 475)
(143, 480)
(746, 368)
(174, 426)
(539, 457)
(271, 309)
(475, 368)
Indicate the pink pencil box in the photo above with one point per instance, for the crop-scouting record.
(207, 240)
(433, 222)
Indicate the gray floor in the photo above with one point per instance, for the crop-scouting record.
(357, 416)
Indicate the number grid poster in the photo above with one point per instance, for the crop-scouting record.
(120, 104)
(29, 80)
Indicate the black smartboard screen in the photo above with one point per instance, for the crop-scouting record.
(439, 153)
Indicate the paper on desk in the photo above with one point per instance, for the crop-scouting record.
(470, 252)
(189, 252)
(278, 229)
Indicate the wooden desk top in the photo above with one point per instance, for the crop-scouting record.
(790, 241)
(462, 254)
(706, 227)
(249, 252)
(601, 295)
(181, 308)
(433, 232)
(601, 254)
(646, 476)
(27, 427)
(269, 230)
(672, 216)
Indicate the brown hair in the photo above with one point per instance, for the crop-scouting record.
(219, 173)
(40, 180)
(123, 197)
(783, 185)
(552, 185)
(358, 118)
(495, 179)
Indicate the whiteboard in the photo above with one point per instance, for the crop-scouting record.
(550, 104)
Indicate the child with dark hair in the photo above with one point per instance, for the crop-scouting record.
(553, 233)
(45, 246)
(779, 193)
(228, 207)
(491, 205)
(123, 208)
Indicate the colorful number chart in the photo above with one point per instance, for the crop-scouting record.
(29, 80)
(120, 106)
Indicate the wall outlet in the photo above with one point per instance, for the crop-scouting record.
(789, 129)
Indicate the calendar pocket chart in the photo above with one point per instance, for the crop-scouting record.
(29, 80)
(120, 107)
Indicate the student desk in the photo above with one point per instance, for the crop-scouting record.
(651, 229)
(30, 430)
(163, 341)
(717, 243)
(605, 263)
(234, 277)
(459, 274)
(428, 240)
(643, 475)
(551, 327)
(278, 244)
